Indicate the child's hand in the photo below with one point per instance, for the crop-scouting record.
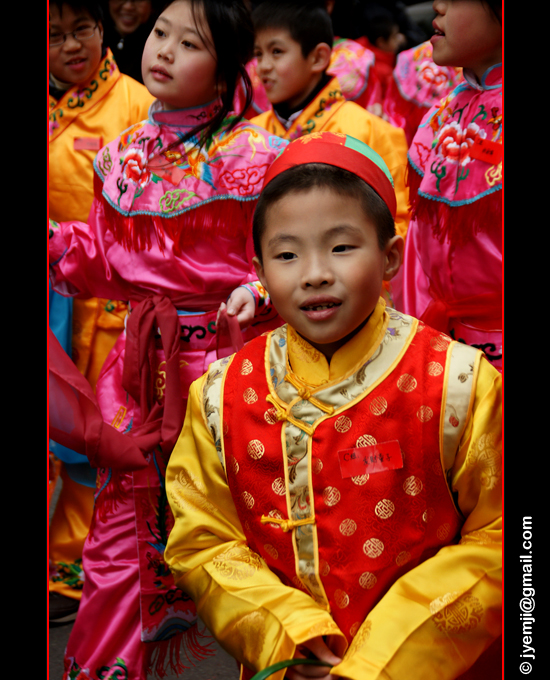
(241, 304)
(320, 650)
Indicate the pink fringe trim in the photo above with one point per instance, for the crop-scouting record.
(205, 222)
(456, 225)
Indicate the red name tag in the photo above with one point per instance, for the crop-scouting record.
(485, 150)
(370, 459)
(87, 143)
(165, 170)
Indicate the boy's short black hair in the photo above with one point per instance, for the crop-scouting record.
(91, 6)
(323, 176)
(307, 21)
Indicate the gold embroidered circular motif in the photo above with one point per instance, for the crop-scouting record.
(342, 424)
(341, 598)
(278, 486)
(402, 558)
(412, 486)
(250, 396)
(365, 440)
(443, 531)
(434, 368)
(378, 406)
(424, 414)
(367, 580)
(360, 480)
(270, 416)
(373, 547)
(440, 343)
(384, 508)
(331, 495)
(348, 527)
(406, 383)
(457, 616)
(248, 499)
(255, 449)
(486, 457)
(233, 465)
(246, 367)
(271, 551)
(237, 563)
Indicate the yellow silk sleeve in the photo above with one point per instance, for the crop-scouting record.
(438, 619)
(253, 616)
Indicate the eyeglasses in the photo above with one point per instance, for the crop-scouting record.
(80, 34)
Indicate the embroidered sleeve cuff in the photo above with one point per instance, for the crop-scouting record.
(264, 308)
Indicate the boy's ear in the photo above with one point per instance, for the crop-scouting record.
(394, 256)
(259, 270)
(320, 57)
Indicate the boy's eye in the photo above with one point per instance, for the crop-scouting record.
(286, 256)
(342, 248)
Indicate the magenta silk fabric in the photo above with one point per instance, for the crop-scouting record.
(169, 232)
(451, 276)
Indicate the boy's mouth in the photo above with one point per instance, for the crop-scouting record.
(320, 304)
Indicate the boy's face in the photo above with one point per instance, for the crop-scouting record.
(74, 61)
(287, 76)
(322, 265)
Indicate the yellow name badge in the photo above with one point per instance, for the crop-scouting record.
(88, 143)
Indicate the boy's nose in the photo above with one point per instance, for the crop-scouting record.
(317, 273)
(71, 43)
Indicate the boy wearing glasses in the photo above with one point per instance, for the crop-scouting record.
(90, 103)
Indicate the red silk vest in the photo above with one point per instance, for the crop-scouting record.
(368, 528)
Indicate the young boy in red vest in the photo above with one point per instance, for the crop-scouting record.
(336, 485)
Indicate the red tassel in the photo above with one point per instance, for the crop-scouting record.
(106, 502)
(165, 657)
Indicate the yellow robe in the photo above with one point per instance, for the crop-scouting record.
(330, 111)
(80, 123)
(90, 116)
(433, 622)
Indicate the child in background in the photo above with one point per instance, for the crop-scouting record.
(293, 48)
(336, 485)
(384, 38)
(170, 231)
(452, 270)
(351, 62)
(90, 102)
(417, 83)
(127, 27)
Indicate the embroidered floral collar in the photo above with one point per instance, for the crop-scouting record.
(79, 99)
(491, 79)
(183, 118)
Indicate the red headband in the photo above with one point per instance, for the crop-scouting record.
(341, 151)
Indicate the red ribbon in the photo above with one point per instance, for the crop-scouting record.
(161, 421)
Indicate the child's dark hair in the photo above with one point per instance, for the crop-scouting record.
(233, 37)
(323, 176)
(91, 6)
(307, 21)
